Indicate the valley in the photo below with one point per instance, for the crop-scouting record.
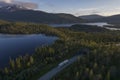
(70, 41)
(59, 40)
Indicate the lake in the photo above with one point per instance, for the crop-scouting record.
(15, 45)
(99, 24)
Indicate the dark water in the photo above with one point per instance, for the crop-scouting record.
(101, 24)
(15, 45)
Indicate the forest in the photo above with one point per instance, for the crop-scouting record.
(102, 63)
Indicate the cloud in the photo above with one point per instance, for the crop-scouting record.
(7, 1)
(28, 5)
(85, 11)
(100, 11)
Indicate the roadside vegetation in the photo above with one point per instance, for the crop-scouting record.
(103, 53)
(102, 62)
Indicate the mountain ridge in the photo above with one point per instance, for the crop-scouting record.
(113, 19)
(91, 17)
(18, 13)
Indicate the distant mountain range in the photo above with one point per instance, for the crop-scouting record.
(114, 19)
(21, 14)
(91, 17)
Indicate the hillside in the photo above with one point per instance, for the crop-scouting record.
(17, 13)
(114, 19)
(91, 17)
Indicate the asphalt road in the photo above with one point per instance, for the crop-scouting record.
(57, 69)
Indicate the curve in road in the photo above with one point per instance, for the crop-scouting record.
(57, 69)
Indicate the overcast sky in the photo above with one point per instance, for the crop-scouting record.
(77, 7)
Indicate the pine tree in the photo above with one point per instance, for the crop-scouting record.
(99, 77)
(31, 60)
(28, 64)
(108, 76)
(18, 62)
(77, 75)
(91, 74)
(12, 63)
(6, 70)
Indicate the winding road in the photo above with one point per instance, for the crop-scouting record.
(57, 69)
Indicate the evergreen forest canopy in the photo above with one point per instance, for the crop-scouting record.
(102, 62)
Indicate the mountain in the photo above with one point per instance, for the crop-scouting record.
(114, 19)
(68, 16)
(91, 17)
(11, 8)
(18, 13)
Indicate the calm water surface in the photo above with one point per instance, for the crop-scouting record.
(15, 45)
(99, 24)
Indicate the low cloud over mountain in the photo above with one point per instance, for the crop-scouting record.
(27, 5)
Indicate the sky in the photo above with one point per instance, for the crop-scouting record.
(75, 7)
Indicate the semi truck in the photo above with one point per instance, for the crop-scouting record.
(63, 63)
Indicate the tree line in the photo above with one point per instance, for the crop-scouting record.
(30, 67)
